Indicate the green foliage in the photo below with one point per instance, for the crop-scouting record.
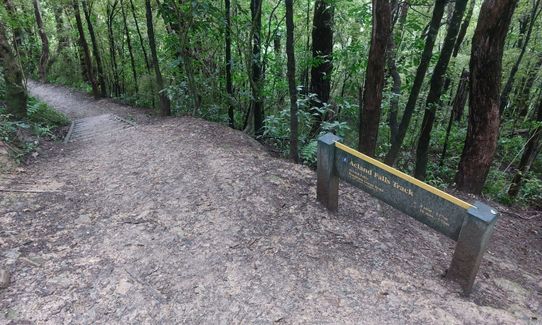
(41, 114)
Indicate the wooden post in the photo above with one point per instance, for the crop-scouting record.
(327, 188)
(471, 245)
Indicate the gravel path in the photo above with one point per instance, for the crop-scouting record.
(179, 220)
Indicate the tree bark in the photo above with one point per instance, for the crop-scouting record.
(530, 152)
(434, 25)
(229, 82)
(16, 95)
(374, 78)
(142, 43)
(392, 69)
(257, 75)
(95, 50)
(510, 81)
(436, 89)
(485, 76)
(292, 87)
(522, 99)
(322, 60)
(164, 104)
(458, 105)
(44, 58)
(86, 52)
(129, 43)
(111, 12)
(464, 27)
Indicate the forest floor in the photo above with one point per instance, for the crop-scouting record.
(178, 220)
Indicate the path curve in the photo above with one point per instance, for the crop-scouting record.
(179, 220)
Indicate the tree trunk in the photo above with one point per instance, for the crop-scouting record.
(164, 104)
(111, 12)
(86, 52)
(463, 29)
(16, 95)
(129, 43)
(374, 78)
(402, 9)
(143, 49)
(322, 58)
(229, 82)
(95, 50)
(257, 75)
(292, 87)
(530, 152)
(44, 58)
(484, 84)
(510, 81)
(522, 99)
(435, 90)
(458, 105)
(434, 25)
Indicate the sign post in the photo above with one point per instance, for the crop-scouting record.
(469, 225)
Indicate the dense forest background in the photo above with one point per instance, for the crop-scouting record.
(417, 84)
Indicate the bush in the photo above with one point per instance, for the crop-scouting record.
(42, 114)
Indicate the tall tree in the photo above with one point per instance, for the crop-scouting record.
(292, 87)
(530, 152)
(257, 73)
(86, 52)
(458, 105)
(16, 95)
(44, 58)
(129, 43)
(485, 76)
(436, 88)
(95, 50)
(142, 43)
(393, 43)
(535, 12)
(164, 104)
(322, 59)
(464, 27)
(111, 11)
(229, 82)
(434, 25)
(374, 77)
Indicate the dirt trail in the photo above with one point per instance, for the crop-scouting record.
(180, 220)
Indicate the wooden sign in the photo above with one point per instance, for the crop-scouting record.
(469, 225)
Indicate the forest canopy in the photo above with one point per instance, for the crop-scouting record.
(449, 91)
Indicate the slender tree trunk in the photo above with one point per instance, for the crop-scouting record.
(436, 90)
(164, 104)
(522, 99)
(95, 50)
(458, 106)
(322, 56)
(438, 11)
(143, 49)
(257, 74)
(16, 95)
(111, 12)
(485, 76)
(292, 87)
(129, 43)
(86, 52)
(374, 78)
(393, 71)
(511, 77)
(464, 27)
(530, 152)
(229, 82)
(44, 58)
